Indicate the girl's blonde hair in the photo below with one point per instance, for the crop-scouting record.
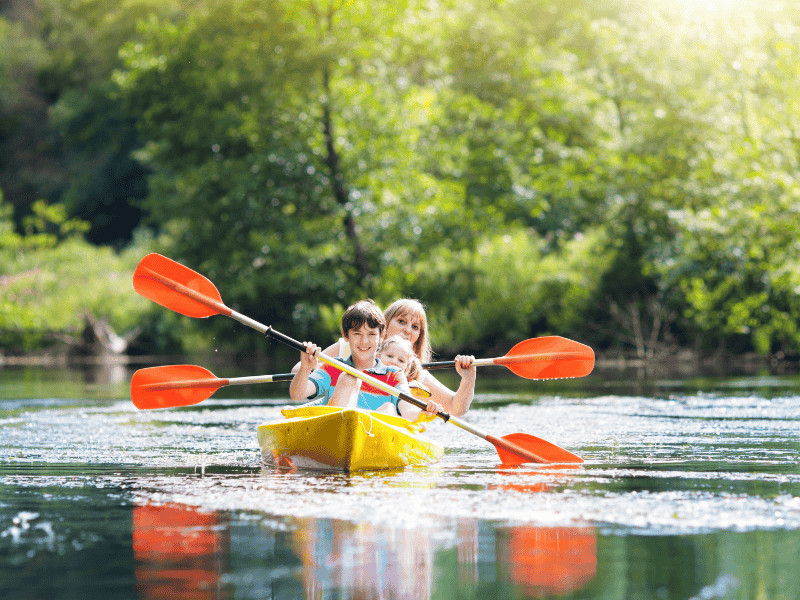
(413, 309)
(414, 368)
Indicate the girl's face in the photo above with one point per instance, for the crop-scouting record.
(405, 325)
(396, 356)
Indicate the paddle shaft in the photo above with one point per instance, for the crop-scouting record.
(220, 308)
(267, 330)
(216, 382)
(506, 360)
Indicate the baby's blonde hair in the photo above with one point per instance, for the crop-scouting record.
(414, 368)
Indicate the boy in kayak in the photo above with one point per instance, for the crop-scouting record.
(362, 327)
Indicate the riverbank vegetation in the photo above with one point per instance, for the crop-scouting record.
(621, 173)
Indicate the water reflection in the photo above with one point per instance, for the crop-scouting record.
(186, 553)
(372, 561)
(179, 552)
(105, 375)
(547, 561)
(367, 561)
(540, 478)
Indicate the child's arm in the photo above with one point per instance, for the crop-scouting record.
(345, 394)
(408, 410)
(411, 412)
(301, 388)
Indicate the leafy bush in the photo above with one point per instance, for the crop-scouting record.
(511, 289)
(51, 278)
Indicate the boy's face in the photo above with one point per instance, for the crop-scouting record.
(393, 355)
(363, 343)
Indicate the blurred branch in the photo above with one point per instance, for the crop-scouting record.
(643, 324)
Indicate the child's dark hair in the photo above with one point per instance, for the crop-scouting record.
(360, 313)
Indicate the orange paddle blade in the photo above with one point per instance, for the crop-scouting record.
(170, 284)
(520, 448)
(549, 357)
(175, 385)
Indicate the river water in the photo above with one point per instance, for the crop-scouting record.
(690, 489)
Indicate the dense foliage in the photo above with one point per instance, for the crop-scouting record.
(623, 173)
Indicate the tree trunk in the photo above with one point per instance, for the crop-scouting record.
(337, 182)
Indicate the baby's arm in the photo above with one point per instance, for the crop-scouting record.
(411, 411)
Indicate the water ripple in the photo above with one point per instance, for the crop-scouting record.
(683, 463)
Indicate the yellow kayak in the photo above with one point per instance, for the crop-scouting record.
(327, 437)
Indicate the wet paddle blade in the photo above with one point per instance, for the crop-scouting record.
(549, 357)
(176, 287)
(175, 385)
(521, 448)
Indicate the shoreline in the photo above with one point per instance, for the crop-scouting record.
(685, 362)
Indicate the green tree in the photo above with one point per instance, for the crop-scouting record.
(64, 135)
(305, 154)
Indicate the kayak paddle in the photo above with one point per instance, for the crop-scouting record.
(186, 292)
(547, 357)
(184, 385)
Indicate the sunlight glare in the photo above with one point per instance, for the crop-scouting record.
(718, 7)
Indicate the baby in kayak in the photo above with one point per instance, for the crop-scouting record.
(363, 324)
(397, 351)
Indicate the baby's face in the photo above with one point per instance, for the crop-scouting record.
(396, 357)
